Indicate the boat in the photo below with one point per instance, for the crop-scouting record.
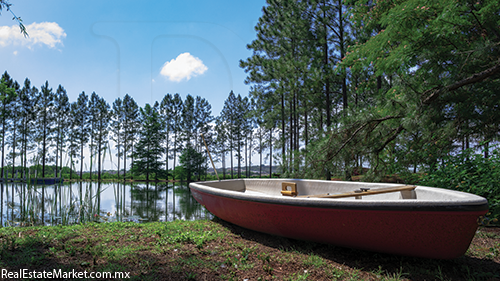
(46, 181)
(396, 219)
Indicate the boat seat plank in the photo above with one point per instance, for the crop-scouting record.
(362, 192)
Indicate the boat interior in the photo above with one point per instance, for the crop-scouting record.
(318, 189)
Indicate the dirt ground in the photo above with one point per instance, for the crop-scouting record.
(234, 254)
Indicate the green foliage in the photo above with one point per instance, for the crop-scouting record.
(469, 172)
(100, 118)
(130, 126)
(335, 84)
(234, 129)
(190, 161)
(295, 90)
(148, 150)
(37, 170)
(427, 82)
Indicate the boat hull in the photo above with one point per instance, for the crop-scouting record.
(429, 232)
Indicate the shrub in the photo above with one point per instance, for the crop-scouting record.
(470, 172)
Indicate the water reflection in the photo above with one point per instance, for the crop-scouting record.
(70, 203)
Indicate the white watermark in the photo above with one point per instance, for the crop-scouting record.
(58, 273)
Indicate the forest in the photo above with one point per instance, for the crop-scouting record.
(338, 88)
(43, 130)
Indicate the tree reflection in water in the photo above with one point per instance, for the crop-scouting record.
(70, 203)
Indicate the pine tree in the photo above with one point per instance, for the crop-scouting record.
(7, 95)
(93, 120)
(177, 108)
(188, 124)
(73, 147)
(281, 66)
(45, 123)
(80, 127)
(103, 116)
(130, 122)
(432, 61)
(241, 128)
(62, 110)
(221, 139)
(27, 100)
(15, 118)
(166, 113)
(117, 128)
(203, 118)
(229, 117)
(148, 151)
(190, 160)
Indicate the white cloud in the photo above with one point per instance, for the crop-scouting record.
(184, 66)
(45, 33)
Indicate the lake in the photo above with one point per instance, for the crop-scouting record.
(80, 202)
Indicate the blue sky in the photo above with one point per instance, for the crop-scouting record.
(143, 48)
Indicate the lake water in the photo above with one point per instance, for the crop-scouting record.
(70, 203)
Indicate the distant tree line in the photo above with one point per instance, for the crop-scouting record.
(41, 127)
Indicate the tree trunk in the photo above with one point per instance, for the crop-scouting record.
(486, 149)
(246, 157)
(119, 147)
(231, 154)
(175, 154)
(283, 148)
(250, 155)
(13, 152)
(25, 148)
(61, 157)
(166, 160)
(44, 144)
(306, 136)
(327, 78)
(239, 157)
(124, 160)
(3, 145)
(81, 159)
(224, 164)
(57, 153)
(260, 153)
(270, 153)
(99, 158)
(342, 54)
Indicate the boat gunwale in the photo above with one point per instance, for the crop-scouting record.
(470, 203)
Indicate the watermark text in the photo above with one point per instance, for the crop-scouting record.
(58, 273)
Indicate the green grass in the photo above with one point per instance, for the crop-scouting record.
(315, 261)
(193, 250)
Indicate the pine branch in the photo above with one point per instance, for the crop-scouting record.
(16, 18)
(475, 78)
(390, 139)
(376, 121)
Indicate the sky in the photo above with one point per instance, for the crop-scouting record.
(144, 48)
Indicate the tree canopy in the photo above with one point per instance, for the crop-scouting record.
(335, 86)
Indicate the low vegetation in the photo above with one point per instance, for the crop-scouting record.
(216, 250)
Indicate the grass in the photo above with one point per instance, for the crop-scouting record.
(216, 250)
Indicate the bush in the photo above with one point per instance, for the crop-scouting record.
(470, 172)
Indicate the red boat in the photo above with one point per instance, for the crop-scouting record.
(405, 220)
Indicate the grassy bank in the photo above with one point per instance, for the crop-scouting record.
(216, 250)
